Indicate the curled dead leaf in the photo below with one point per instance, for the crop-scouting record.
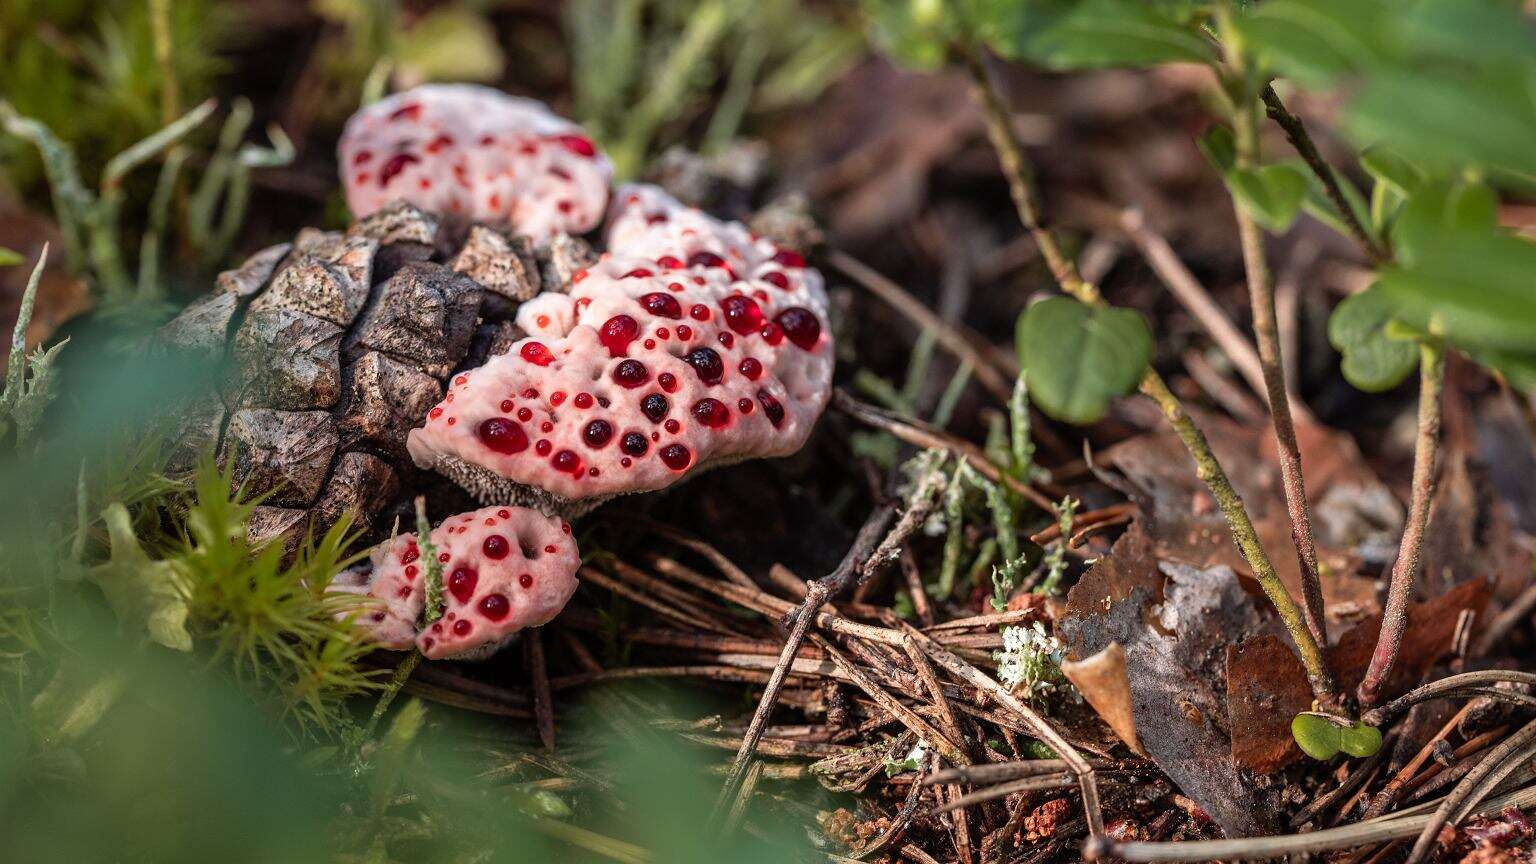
(1103, 682)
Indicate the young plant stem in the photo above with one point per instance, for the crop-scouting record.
(1015, 167)
(1261, 297)
(1296, 133)
(1406, 569)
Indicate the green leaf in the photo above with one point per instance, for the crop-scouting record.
(1373, 360)
(915, 33)
(10, 258)
(1317, 736)
(1476, 292)
(1360, 740)
(1314, 41)
(1084, 34)
(1078, 358)
(1272, 194)
(1219, 147)
(1390, 168)
(1439, 213)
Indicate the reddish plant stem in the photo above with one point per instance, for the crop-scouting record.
(1405, 570)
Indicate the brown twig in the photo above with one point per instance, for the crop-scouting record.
(1405, 570)
(1478, 783)
(543, 704)
(1296, 133)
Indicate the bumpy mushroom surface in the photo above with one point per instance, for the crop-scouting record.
(504, 568)
(477, 152)
(690, 344)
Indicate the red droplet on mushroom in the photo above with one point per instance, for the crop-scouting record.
(634, 444)
(775, 278)
(525, 580)
(663, 333)
(654, 406)
(556, 398)
(800, 325)
(672, 426)
(630, 374)
(502, 436)
(616, 334)
(394, 166)
(742, 313)
(411, 571)
(676, 456)
(461, 583)
(495, 547)
(567, 461)
(362, 157)
(771, 408)
(582, 400)
(530, 393)
(434, 413)
(669, 262)
(411, 553)
(443, 557)
(543, 447)
(494, 606)
(662, 305)
(546, 427)
(578, 144)
(705, 258)
(524, 414)
(788, 258)
(407, 112)
(597, 434)
(750, 367)
(744, 405)
(668, 381)
(711, 413)
(772, 333)
(684, 332)
(507, 405)
(462, 627)
(537, 354)
(637, 273)
(439, 144)
(706, 362)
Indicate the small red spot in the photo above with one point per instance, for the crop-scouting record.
(487, 140)
(411, 571)
(789, 258)
(801, 326)
(462, 627)
(530, 393)
(616, 334)
(662, 305)
(495, 606)
(394, 166)
(663, 333)
(775, 278)
(668, 381)
(435, 413)
(567, 461)
(524, 414)
(761, 295)
(550, 549)
(656, 219)
(537, 354)
(649, 344)
(638, 273)
(675, 287)
(705, 258)
(556, 171)
(625, 462)
(404, 592)
(630, 374)
(407, 112)
(438, 144)
(411, 553)
(582, 400)
(541, 321)
(577, 144)
(502, 436)
(461, 583)
(425, 183)
(494, 202)
(684, 332)
(361, 178)
(726, 339)
(744, 405)
(593, 472)
(363, 157)
(672, 426)
(699, 312)
(771, 407)
(525, 580)
(543, 447)
(507, 405)
(578, 275)
(772, 333)
(750, 367)
(711, 412)
(443, 557)
(556, 398)
(505, 514)
(546, 427)
(427, 643)
(676, 456)
(668, 262)
(495, 547)
(452, 420)
(565, 527)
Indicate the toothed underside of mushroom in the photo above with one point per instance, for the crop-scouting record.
(476, 152)
(338, 344)
(503, 569)
(690, 344)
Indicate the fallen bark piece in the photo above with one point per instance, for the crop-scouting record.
(503, 569)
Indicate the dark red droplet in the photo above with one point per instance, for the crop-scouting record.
(537, 354)
(668, 381)
(407, 112)
(742, 313)
(706, 362)
(684, 332)
(727, 339)
(502, 436)
(669, 262)
(411, 553)
(705, 258)
(443, 557)
(530, 393)
(462, 627)
(507, 405)
(543, 447)
(461, 583)
(771, 408)
(775, 278)
(567, 461)
(750, 367)
(524, 414)
(495, 606)
(788, 258)
(438, 144)
(394, 166)
(654, 407)
(495, 547)
(699, 312)
(630, 374)
(634, 444)
(597, 434)
(676, 457)
(711, 412)
(744, 405)
(801, 326)
(638, 273)
(525, 580)
(772, 333)
(556, 398)
(662, 305)
(672, 426)
(616, 334)
(582, 400)
(363, 157)
(578, 144)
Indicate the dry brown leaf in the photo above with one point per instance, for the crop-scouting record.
(1103, 681)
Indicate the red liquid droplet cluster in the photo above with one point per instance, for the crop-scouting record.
(502, 436)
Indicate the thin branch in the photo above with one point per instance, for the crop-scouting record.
(1261, 298)
(1478, 783)
(1447, 686)
(1405, 570)
(1020, 183)
(1296, 133)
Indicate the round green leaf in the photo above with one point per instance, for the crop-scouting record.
(1078, 358)
(1271, 194)
(1318, 736)
(1373, 361)
(1359, 739)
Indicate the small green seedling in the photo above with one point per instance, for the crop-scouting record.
(1323, 736)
